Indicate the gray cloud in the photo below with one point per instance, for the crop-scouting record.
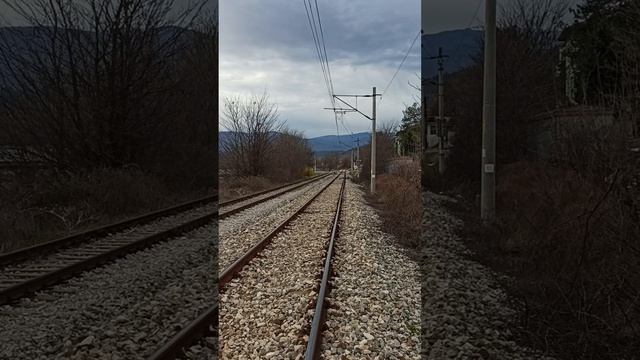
(443, 15)
(9, 18)
(267, 45)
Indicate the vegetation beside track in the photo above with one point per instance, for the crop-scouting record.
(40, 207)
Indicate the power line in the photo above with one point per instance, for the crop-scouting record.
(311, 17)
(475, 14)
(400, 66)
(317, 32)
(326, 58)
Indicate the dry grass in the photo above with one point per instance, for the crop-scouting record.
(572, 250)
(233, 187)
(48, 205)
(399, 202)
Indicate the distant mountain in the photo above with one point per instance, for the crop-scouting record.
(321, 145)
(24, 40)
(459, 45)
(328, 144)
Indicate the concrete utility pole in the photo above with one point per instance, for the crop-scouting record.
(440, 112)
(373, 144)
(488, 190)
(352, 168)
(373, 131)
(440, 122)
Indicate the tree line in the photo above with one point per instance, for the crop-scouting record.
(567, 223)
(257, 142)
(109, 84)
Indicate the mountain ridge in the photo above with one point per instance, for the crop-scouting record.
(323, 145)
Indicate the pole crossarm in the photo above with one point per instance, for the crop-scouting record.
(339, 109)
(351, 107)
(358, 95)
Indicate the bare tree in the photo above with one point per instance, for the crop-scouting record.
(252, 124)
(291, 154)
(538, 22)
(90, 82)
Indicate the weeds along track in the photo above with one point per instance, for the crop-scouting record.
(190, 341)
(31, 269)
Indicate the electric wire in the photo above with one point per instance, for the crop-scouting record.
(400, 66)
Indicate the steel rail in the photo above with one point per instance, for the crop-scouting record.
(66, 272)
(224, 214)
(232, 270)
(315, 337)
(189, 335)
(78, 238)
(258, 193)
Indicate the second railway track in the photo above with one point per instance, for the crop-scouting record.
(207, 322)
(62, 260)
(25, 271)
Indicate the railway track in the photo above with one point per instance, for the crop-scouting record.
(207, 322)
(231, 207)
(28, 270)
(31, 269)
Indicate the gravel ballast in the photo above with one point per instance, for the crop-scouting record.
(281, 191)
(124, 310)
(466, 314)
(374, 310)
(239, 232)
(266, 311)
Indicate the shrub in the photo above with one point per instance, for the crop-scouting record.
(308, 171)
(53, 204)
(572, 248)
(400, 203)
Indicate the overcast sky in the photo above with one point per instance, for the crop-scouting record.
(9, 18)
(268, 46)
(443, 15)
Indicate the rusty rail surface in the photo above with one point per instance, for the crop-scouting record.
(320, 313)
(287, 188)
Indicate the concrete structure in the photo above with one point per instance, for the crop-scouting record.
(549, 133)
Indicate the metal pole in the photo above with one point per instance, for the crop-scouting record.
(373, 144)
(488, 190)
(440, 112)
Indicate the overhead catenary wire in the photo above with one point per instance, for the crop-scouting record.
(317, 31)
(311, 17)
(404, 58)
